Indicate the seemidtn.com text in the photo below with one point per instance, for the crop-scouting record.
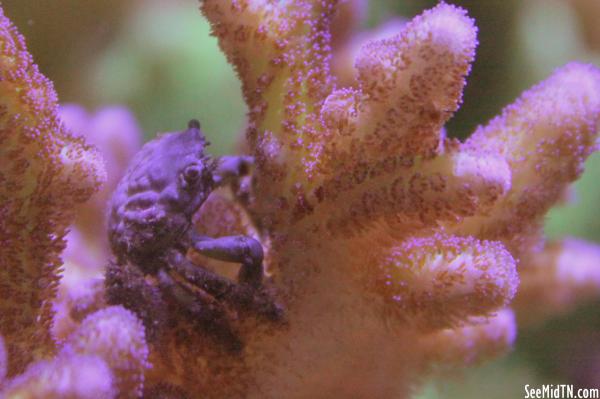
(560, 391)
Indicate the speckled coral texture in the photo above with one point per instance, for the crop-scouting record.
(395, 250)
(44, 173)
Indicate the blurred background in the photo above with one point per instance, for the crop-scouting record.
(157, 58)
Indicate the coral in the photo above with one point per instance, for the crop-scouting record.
(479, 340)
(3, 361)
(383, 233)
(544, 136)
(116, 134)
(104, 358)
(556, 279)
(344, 54)
(45, 173)
(395, 250)
(64, 377)
(436, 282)
(79, 295)
(117, 336)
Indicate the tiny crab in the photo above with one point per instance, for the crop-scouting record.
(150, 231)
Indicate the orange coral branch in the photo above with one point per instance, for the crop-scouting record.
(481, 339)
(381, 229)
(410, 193)
(439, 282)
(545, 137)
(44, 173)
(555, 280)
(409, 86)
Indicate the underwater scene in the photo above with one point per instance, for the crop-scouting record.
(299, 199)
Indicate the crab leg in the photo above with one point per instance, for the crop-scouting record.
(206, 310)
(241, 249)
(241, 296)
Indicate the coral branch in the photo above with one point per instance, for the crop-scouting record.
(472, 344)
(292, 39)
(345, 53)
(116, 134)
(412, 194)
(563, 275)
(438, 282)
(117, 336)
(283, 87)
(409, 86)
(104, 358)
(65, 377)
(545, 137)
(78, 296)
(247, 28)
(389, 246)
(45, 172)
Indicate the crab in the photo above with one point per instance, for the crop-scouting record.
(150, 232)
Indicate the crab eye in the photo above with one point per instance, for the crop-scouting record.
(192, 173)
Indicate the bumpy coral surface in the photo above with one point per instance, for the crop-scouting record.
(45, 172)
(395, 250)
(104, 358)
(392, 247)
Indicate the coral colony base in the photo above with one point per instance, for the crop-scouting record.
(393, 250)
